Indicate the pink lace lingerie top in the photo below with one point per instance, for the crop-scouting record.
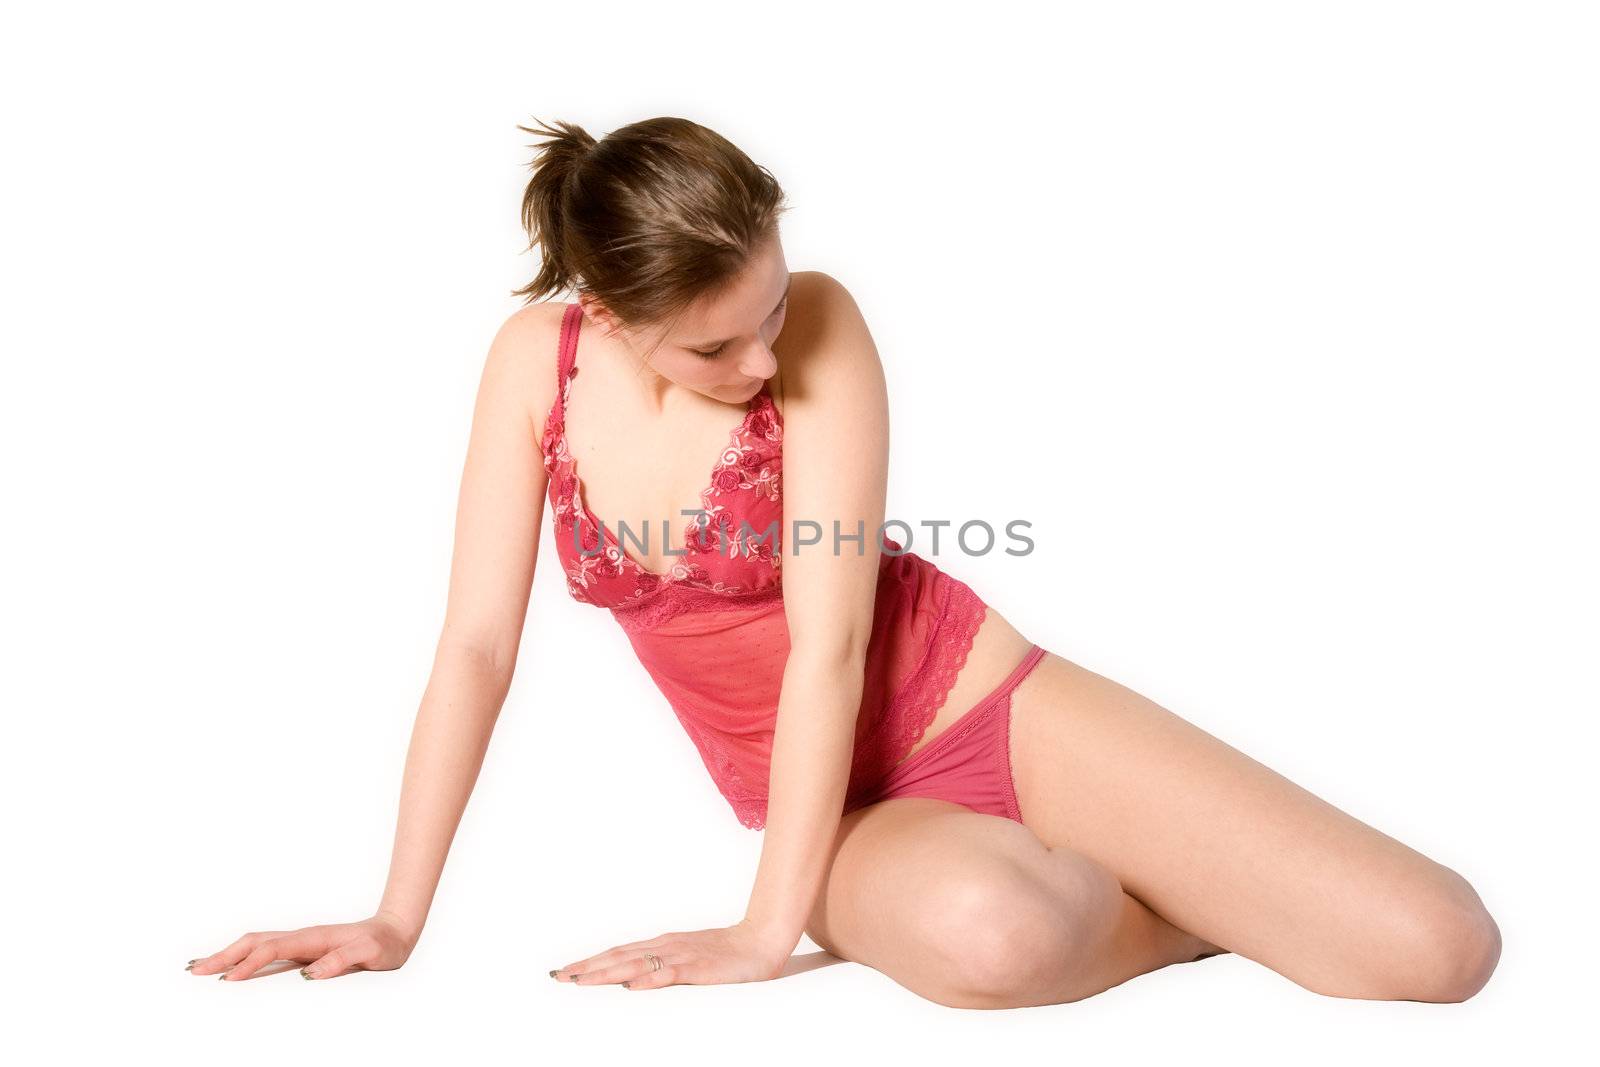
(712, 633)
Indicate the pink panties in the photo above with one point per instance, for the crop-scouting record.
(970, 761)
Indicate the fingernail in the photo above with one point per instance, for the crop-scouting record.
(190, 964)
(305, 972)
(223, 977)
(555, 972)
(625, 985)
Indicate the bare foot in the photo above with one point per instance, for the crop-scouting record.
(1201, 949)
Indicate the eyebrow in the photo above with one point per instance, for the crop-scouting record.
(775, 307)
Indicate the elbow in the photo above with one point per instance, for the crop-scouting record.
(497, 658)
(843, 651)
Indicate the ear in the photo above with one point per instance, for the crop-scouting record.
(599, 315)
(610, 326)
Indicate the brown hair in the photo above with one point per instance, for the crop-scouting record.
(650, 219)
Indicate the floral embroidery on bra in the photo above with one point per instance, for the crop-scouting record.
(732, 546)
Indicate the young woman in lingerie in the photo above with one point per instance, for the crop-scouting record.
(982, 820)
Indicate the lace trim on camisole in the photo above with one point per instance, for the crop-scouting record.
(919, 700)
(646, 604)
(647, 613)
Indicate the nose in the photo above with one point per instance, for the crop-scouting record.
(760, 362)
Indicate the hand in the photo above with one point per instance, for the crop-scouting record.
(738, 953)
(381, 943)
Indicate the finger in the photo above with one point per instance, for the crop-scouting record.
(349, 957)
(626, 970)
(614, 953)
(301, 944)
(304, 946)
(264, 953)
(611, 957)
(221, 961)
(669, 974)
(298, 945)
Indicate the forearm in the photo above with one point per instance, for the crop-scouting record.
(454, 722)
(813, 748)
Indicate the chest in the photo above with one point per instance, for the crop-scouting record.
(696, 500)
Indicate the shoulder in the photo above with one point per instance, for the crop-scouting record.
(819, 304)
(825, 343)
(521, 364)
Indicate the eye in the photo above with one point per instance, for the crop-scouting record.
(779, 310)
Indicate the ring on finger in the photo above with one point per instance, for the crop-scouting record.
(653, 960)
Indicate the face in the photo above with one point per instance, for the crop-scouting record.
(720, 347)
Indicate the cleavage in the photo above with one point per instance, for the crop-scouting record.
(623, 473)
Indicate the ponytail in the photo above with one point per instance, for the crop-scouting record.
(648, 220)
(544, 204)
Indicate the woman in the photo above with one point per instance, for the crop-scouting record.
(984, 821)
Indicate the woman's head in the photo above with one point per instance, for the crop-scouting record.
(669, 235)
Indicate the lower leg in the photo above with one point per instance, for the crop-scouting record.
(1138, 942)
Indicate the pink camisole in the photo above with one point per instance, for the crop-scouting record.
(712, 633)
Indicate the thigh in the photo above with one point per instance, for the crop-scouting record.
(1219, 844)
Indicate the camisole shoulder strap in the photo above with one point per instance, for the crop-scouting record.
(571, 321)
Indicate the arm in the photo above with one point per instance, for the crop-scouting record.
(835, 470)
(498, 515)
(499, 511)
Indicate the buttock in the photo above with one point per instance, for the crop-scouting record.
(969, 762)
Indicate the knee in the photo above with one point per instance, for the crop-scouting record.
(1458, 945)
(1005, 939)
(1447, 946)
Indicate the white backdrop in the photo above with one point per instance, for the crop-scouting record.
(1277, 321)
